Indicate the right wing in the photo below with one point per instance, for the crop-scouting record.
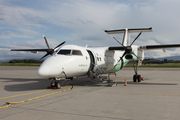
(155, 47)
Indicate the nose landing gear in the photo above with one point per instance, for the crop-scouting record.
(56, 84)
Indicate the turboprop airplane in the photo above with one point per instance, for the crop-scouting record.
(73, 61)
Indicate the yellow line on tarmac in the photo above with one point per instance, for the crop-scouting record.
(149, 71)
(175, 94)
(9, 103)
(24, 94)
(29, 93)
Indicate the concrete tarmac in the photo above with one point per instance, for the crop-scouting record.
(155, 98)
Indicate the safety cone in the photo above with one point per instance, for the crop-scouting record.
(125, 83)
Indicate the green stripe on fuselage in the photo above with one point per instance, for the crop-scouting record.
(125, 61)
(118, 66)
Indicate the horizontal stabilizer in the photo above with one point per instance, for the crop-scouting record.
(135, 30)
(154, 47)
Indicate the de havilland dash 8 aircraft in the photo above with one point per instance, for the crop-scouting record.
(71, 61)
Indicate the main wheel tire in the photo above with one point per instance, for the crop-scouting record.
(58, 85)
(134, 78)
(53, 83)
(139, 78)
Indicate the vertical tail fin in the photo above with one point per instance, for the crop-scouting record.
(126, 38)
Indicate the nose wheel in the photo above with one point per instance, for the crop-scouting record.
(56, 83)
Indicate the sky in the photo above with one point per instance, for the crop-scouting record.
(82, 22)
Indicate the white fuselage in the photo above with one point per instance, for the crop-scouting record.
(73, 61)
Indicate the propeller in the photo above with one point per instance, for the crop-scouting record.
(50, 51)
(127, 49)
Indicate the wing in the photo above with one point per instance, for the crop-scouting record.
(154, 47)
(31, 50)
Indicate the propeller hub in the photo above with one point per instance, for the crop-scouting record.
(50, 51)
(128, 49)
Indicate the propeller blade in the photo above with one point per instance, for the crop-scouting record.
(45, 56)
(60, 44)
(123, 55)
(46, 42)
(117, 40)
(136, 37)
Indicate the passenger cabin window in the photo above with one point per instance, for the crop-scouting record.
(76, 52)
(68, 52)
(64, 52)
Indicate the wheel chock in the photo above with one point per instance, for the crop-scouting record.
(51, 87)
(142, 78)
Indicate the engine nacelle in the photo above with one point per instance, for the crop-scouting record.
(140, 54)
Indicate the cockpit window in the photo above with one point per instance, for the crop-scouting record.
(68, 52)
(64, 52)
(76, 52)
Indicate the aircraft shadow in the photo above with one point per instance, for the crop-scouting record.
(42, 83)
(25, 84)
(22, 84)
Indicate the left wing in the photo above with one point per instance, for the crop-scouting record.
(49, 51)
(31, 50)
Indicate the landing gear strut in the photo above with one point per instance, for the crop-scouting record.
(136, 76)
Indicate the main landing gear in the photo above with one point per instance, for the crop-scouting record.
(136, 76)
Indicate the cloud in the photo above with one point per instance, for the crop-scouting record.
(83, 22)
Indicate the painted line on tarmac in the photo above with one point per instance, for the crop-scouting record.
(175, 94)
(28, 93)
(141, 73)
(10, 103)
(24, 94)
(149, 71)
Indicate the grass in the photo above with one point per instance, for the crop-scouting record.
(20, 64)
(171, 65)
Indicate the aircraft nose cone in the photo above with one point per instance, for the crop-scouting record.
(43, 71)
